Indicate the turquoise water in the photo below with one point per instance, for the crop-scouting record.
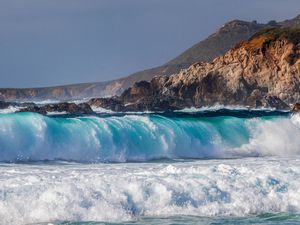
(127, 138)
(218, 167)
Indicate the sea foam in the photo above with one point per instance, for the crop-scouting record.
(126, 192)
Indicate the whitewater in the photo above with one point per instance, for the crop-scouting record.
(221, 166)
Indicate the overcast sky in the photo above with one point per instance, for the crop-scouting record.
(54, 42)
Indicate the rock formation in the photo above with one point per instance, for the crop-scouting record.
(296, 108)
(261, 72)
(70, 108)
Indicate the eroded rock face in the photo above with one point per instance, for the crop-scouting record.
(262, 72)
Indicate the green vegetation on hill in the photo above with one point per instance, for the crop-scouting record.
(273, 34)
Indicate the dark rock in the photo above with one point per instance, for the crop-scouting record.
(35, 109)
(274, 102)
(273, 23)
(113, 103)
(27, 104)
(296, 108)
(4, 104)
(72, 108)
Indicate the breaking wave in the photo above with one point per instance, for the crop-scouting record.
(33, 137)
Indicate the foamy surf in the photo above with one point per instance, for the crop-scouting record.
(217, 107)
(10, 109)
(130, 192)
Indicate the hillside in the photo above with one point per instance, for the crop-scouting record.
(215, 45)
(261, 72)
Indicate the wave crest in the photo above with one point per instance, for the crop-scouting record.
(29, 136)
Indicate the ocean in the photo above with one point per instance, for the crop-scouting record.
(209, 166)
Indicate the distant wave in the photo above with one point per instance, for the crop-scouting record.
(44, 102)
(10, 109)
(57, 113)
(101, 110)
(217, 107)
(30, 136)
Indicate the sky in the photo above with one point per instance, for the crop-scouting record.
(57, 42)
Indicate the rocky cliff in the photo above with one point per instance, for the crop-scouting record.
(261, 72)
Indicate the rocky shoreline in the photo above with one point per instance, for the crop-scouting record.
(87, 107)
(261, 72)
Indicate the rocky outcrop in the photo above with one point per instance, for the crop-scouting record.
(4, 105)
(70, 108)
(261, 72)
(296, 108)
